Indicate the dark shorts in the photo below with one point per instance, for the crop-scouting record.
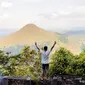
(45, 67)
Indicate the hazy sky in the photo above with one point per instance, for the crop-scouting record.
(56, 15)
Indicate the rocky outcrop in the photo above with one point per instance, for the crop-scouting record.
(58, 80)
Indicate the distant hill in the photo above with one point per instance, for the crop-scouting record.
(75, 40)
(75, 32)
(28, 35)
(5, 32)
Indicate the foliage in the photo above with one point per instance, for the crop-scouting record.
(28, 63)
(61, 61)
(64, 62)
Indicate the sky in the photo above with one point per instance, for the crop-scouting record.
(55, 15)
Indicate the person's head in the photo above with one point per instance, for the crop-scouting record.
(45, 48)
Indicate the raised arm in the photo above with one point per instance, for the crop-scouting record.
(37, 46)
(53, 46)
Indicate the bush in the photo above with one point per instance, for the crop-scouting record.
(61, 62)
(28, 63)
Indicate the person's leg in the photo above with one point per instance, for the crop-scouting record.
(47, 71)
(43, 71)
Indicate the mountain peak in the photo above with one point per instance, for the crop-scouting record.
(30, 26)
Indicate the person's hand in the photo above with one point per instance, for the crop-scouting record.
(54, 42)
(35, 43)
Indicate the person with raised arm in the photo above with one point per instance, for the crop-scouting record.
(45, 59)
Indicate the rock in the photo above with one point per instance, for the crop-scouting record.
(58, 80)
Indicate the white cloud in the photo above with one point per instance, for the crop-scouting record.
(64, 20)
(6, 4)
(4, 17)
(34, 0)
(52, 14)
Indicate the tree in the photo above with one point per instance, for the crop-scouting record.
(61, 62)
(29, 63)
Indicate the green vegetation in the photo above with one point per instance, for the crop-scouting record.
(27, 63)
(64, 62)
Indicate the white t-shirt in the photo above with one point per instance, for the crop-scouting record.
(44, 57)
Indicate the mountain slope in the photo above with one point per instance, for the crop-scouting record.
(75, 42)
(28, 35)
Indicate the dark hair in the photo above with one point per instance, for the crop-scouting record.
(45, 48)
